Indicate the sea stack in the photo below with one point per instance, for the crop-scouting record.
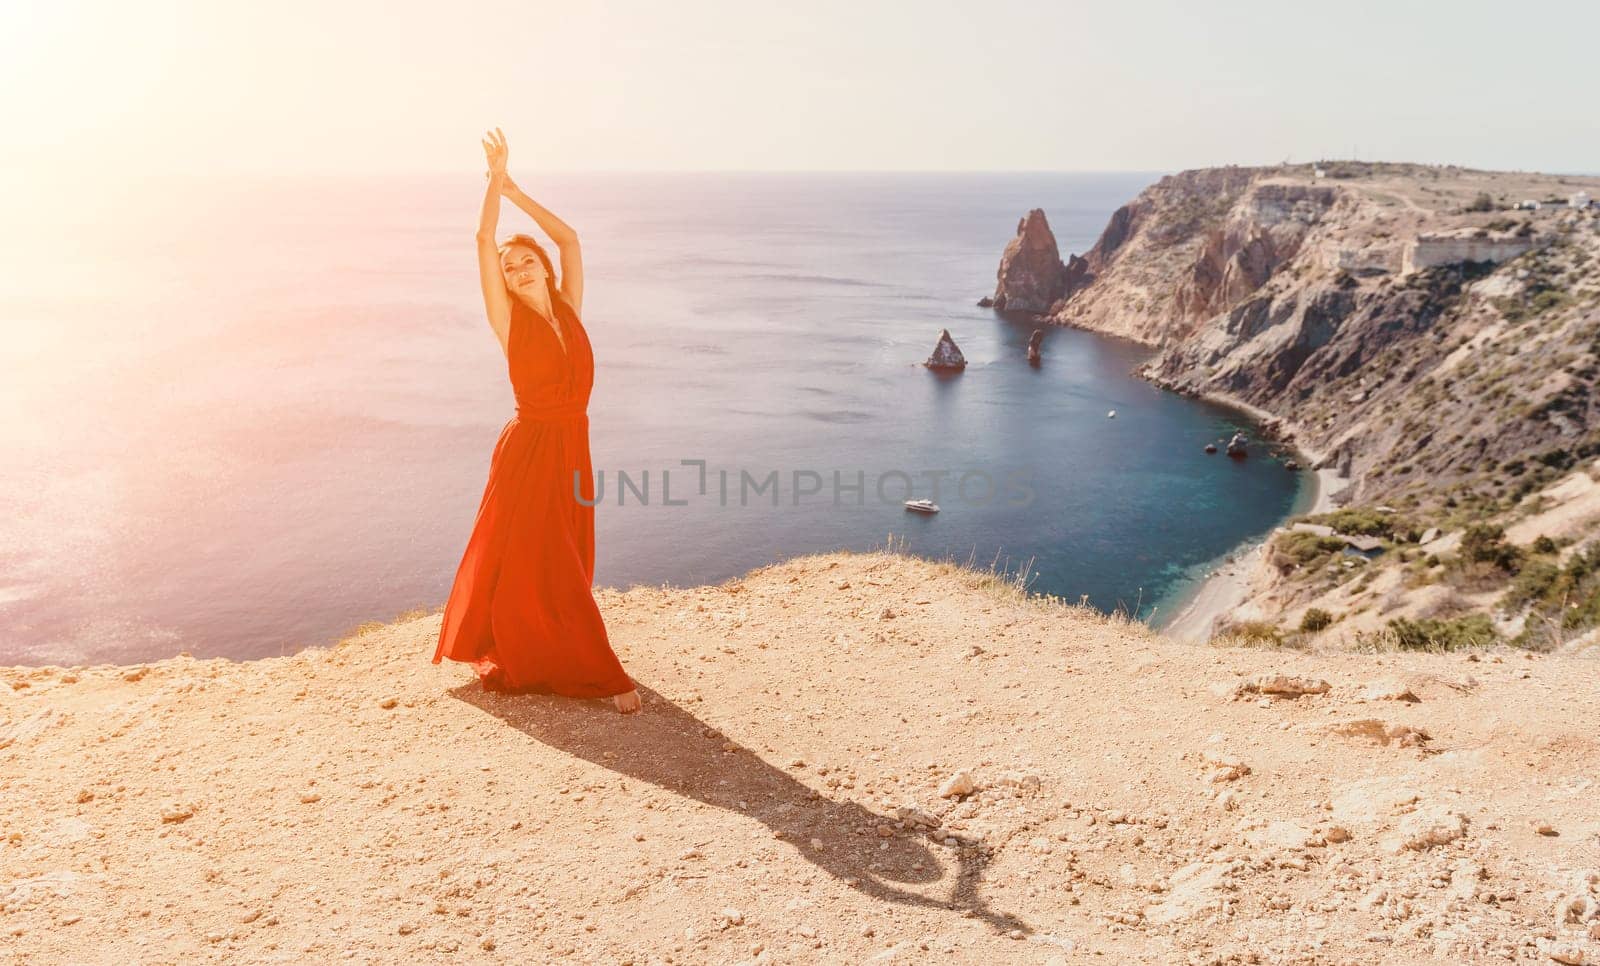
(1236, 445)
(947, 355)
(1034, 341)
(1031, 275)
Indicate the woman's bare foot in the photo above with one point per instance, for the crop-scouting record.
(627, 703)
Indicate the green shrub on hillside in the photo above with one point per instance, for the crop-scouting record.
(1249, 634)
(1565, 596)
(1536, 583)
(1548, 301)
(1365, 520)
(1315, 619)
(1430, 634)
(1298, 549)
(1584, 613)
(1486, 543)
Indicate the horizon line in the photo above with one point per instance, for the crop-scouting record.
(8, 173)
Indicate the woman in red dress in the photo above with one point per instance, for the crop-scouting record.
(522, 611)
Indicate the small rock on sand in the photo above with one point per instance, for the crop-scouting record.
(1226, 768)
(174, 812)
(1575, 910)
(1389, 689)
(957, 785)
(1384, 734)
(1569, 953)
(912, 815)
(1427, 828)
(1281, 686)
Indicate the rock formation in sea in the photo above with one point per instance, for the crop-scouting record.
(1034, 342)
(1439, 353)
(1031, 276)
(946, 354)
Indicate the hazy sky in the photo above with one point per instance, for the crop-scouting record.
(294, 86)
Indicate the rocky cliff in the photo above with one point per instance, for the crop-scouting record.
(1031, 276)
(1403, 324)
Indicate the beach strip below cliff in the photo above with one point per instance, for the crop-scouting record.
(1229, 581)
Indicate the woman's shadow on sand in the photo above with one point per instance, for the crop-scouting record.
(671, 748)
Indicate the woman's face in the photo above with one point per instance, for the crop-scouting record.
(523, 270)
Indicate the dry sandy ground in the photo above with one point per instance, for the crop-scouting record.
(1135, 801)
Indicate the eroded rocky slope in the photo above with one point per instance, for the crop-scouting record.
(1415, 328)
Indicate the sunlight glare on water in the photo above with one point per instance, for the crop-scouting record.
(243, 417)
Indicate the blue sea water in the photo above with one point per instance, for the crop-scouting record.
(246, 416)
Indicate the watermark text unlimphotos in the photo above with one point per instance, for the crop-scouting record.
(977, 486)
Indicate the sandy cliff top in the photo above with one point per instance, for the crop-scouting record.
(1134, 798)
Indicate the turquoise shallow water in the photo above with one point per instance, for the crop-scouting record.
(268, 418)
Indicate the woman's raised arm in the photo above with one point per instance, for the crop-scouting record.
(496, 300)
(562, 234)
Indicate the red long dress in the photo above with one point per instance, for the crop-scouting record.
(521, 610)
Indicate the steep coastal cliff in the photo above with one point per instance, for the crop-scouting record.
(1418, 329)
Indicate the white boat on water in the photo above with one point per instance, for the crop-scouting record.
(922, 506)
(1112, 414)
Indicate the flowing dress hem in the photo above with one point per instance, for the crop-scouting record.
(487, 672)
